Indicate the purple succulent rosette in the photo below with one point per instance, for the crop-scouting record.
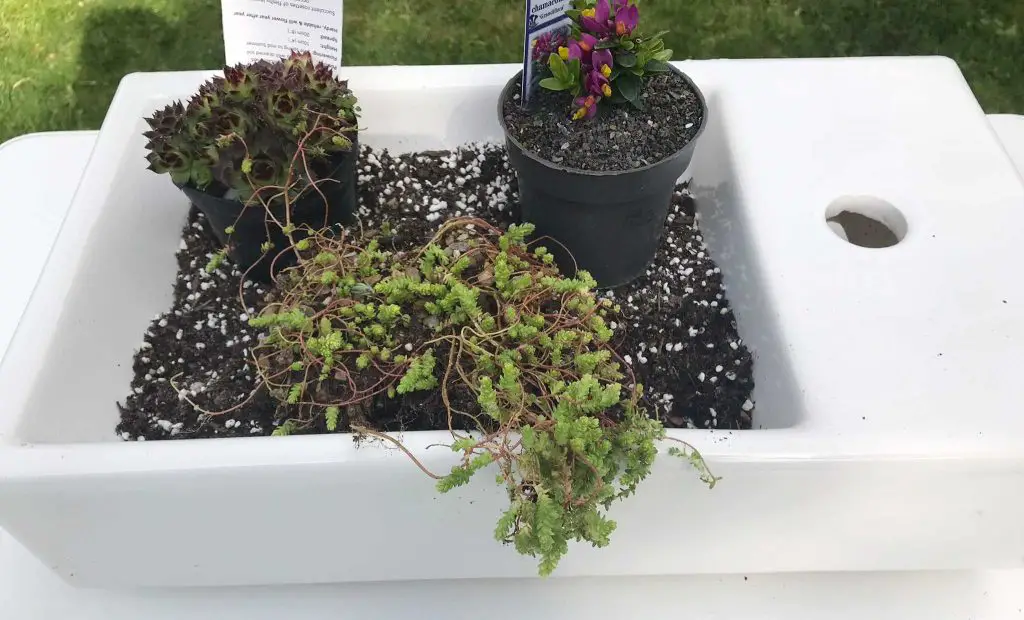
(605, 57)
(242, 131)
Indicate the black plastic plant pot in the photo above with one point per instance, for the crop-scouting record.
(252, 227)
(610, 223)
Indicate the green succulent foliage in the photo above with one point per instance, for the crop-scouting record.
(288, 427)
(474, 312)
(332, 414)
(241, 131)
(573, 465)
(690, 454)
(421, 374)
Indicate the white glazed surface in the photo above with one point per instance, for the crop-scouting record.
(867, 429)
(28, 589)
(33, 207)
(1010, 130)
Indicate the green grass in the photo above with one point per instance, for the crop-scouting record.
(60, 60)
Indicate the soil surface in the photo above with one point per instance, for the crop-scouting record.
(194, 377)
(620, 137)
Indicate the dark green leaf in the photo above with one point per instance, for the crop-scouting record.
(637, 71)
(626, 44)
(664, 55)
(656, 66)
(614, 74)
(554, 84)
(606, 44)
(638, 103)
(617, 97)
(574, 67)
(629, 86)
(627, 60)
(573, 14)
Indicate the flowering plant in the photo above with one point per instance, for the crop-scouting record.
(606, 56)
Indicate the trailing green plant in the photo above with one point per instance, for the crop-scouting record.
(518, 355)
(270, 128)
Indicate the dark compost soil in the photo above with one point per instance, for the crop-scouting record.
(620, 137)
(676, 329)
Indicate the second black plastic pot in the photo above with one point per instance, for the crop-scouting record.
(610, 223)
(252, 227)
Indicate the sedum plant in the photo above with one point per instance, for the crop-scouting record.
(479, 326)
(242, 132)
(606, 56)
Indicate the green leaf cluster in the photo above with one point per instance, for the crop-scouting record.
(565, 75)
(520, 354)
(420, 375)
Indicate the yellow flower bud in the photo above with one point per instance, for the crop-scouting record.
(606, 70)
(564, 53)
(607, 90)
(588, 13)
(579, 114)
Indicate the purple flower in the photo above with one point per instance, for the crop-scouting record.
(578, 49)
(573, 52)
(586, 107)
(587, 42)
(626, 19)
(597, 84)
(598, 19)
(603, 61)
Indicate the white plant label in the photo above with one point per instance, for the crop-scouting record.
(545, 20)
(272, 29)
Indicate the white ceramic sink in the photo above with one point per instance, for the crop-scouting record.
(889, 430)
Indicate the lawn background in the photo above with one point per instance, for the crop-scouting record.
(61, 60)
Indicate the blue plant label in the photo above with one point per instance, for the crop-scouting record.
(547, 25)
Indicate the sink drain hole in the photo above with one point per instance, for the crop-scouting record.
(866, 221)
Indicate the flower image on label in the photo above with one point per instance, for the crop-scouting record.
(547, 27)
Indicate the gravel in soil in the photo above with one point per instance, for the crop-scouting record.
(620, 137)
(676, 329)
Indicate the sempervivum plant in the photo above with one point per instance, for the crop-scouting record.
(242, 132)
(606, 56)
